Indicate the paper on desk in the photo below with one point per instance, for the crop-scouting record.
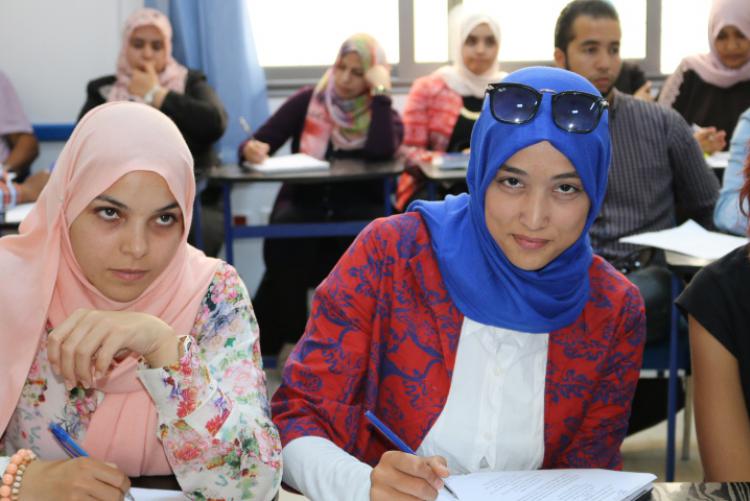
(549, 485)
(298, 162)
(18, 213)
(451, 160)
(718, 160)
(689, 238)
(156, 495)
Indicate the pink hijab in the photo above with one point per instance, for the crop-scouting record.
(708, 66)
(45, 283)
(174, 75)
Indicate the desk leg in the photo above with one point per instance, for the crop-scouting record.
(673, 381)
(431, 190)
(387, 192)
(228, 223)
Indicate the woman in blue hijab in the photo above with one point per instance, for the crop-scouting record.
(481, 329)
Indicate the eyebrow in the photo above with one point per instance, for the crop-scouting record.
(113, 201)
(521, 172)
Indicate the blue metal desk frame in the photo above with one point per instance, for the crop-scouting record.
(341, 170)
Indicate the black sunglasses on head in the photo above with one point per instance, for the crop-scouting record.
(572, 111)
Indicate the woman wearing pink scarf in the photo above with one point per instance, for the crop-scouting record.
(142, 348)
(712, 90)
(147, 73)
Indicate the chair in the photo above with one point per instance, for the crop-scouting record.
(672, 355)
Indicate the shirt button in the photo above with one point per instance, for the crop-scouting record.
(488, 436)
(498, 372)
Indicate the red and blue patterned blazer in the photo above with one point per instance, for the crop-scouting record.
(383, 335)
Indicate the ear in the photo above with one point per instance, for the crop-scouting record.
(560, 59)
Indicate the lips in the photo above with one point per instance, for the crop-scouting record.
(129, 275)
(529, 243)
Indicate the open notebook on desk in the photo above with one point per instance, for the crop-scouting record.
(298, 162)
(549, 485)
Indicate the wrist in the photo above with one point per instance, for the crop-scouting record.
(167, 353)
(380, 90)
(150, 95)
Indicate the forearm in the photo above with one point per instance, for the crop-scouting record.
(219, 445)
(386, 130)
(323, 472)
(25, 149)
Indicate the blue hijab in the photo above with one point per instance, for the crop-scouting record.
(482, 282)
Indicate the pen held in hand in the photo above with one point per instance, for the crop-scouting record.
(71, 448)
(396, 440)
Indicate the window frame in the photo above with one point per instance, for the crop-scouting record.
(281, 80)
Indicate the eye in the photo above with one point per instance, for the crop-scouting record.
(108, 213)
(137, 43)
(157, 46)
(166, 219)
(471, 41)
(614, 50)
(358, 73)
(490, 41)
(510, 182)
(568, 189)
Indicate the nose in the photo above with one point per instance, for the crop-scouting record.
(135, 241)
(147, 51)
(535, 210)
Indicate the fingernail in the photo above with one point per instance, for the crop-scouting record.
(68, 385)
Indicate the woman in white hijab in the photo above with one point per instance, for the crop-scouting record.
(442, 107)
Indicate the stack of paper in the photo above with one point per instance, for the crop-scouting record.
(549, 485)
(299, 162)
(690, 239)
(156, 495)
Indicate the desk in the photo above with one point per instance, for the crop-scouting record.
(341, 170)
(435, 174)
(13, 217)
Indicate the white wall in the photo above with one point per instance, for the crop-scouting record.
(52, 48)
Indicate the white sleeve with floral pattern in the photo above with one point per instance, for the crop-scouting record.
(213, 408)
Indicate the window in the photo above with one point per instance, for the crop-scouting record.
(305, 36)
(682, 35)
(297, 40)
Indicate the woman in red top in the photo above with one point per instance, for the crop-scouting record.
(481, 329)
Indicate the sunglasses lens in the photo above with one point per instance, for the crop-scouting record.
(513, 104)
(576, 112)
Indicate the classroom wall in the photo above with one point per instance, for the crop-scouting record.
(52, 48)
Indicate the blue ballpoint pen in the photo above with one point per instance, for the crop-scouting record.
(396, 440)
(73, 449)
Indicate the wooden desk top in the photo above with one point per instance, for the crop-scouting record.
(341, 170)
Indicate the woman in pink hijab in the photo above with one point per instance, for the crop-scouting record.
(147, 73)
(712, 90)
(142, 348)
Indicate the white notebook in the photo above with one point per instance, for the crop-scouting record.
(549, 485)
(298, 162)
(157, 495)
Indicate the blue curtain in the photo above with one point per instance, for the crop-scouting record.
(216, 38)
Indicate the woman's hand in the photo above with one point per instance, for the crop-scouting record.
(89, 340)
(255, 151)
(143, 80)
(378, 77)
(710, 139)
(401, 476)
(79, 478)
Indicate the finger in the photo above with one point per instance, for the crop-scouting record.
(110, 348)
(59, 334)
(112, 476)
(69, 350)
(418, 467)
(86, 352)
(387, 493)
(439, 465)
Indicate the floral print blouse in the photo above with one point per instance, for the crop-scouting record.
(214, 418)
